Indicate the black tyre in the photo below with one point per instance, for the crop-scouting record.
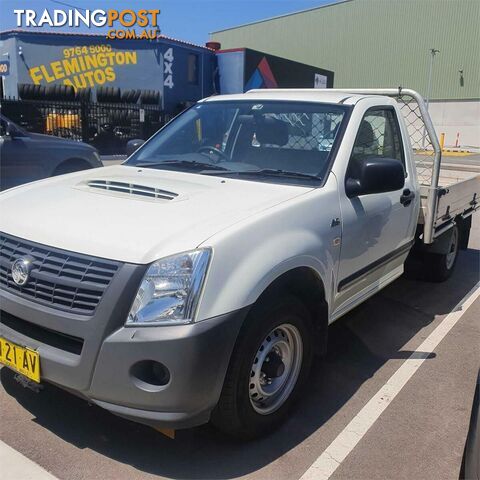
(268, 369)
(49, 92)
(99, 94)
(136, 96)
(52, 92)
(29, 92)
(24, 91)
(115, 96)
(102, 94)
(146, 97)
(439, 267)
(83, 94)
(68, 92)
(21, 90)
(126, 94)
(37, 92)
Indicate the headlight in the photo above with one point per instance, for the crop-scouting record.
(170, 290)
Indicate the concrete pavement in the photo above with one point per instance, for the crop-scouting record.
(15, 466)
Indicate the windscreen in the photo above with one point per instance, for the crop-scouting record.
(254, 140)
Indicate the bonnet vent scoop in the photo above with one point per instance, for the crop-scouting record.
(132, 189)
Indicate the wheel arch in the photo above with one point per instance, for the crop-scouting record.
(306, 284)
(442, 242)
(70, 165)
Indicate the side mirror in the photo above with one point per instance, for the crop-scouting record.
(374, 175)
(132, 145)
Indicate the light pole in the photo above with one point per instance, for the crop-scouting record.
(433, 52)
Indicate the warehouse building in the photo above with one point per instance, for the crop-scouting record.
(371, 43)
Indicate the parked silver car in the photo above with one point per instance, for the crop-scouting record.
(26, 156)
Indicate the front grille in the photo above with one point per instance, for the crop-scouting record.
(60, 279)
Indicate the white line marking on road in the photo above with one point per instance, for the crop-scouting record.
(348, 438)
(15, 466)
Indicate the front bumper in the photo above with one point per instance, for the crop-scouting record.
(196, 357)
(103, 368)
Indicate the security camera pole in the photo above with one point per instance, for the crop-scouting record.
(433, 52)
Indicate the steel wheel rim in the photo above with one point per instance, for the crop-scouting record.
(283, 345)
(452, 252)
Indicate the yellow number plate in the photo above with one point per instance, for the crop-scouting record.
(20, 359)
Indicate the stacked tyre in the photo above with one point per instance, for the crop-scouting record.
(150, 97)
(120, 117)
(108, 95)
(60, 93)
(131, 96)
(28, 91)
(83, 95)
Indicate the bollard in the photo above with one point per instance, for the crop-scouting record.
(442, 141)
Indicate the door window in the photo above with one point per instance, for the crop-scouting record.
(379, 136)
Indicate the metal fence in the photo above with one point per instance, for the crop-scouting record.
(106, 126)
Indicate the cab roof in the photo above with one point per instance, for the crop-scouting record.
(305, 95)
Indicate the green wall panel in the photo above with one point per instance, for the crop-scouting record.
(378, 43)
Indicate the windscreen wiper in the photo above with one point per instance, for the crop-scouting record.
(287, 173)
(271, 172)
(181, 163)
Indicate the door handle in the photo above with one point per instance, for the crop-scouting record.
(407, 197)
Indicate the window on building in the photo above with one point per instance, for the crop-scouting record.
(192, 65)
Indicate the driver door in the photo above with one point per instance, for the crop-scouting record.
(377, 228)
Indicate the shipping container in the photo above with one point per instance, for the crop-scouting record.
(242, 69)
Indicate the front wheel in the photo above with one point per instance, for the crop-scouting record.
(268, 369)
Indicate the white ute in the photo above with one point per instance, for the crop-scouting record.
(195, 281)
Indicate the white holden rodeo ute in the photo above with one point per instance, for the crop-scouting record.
(196, 281)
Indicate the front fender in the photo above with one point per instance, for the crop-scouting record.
(247, 258)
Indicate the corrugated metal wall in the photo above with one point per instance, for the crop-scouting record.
(378, 43)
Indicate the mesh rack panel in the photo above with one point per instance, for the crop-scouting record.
(419, 138)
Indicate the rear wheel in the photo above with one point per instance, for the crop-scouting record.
(440, 266)
(268, 369)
